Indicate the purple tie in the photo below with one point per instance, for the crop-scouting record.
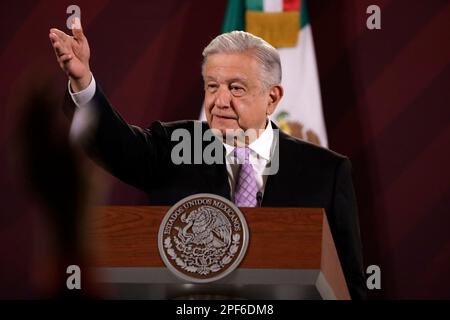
(246, 188)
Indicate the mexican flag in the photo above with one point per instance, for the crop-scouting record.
(285, 25)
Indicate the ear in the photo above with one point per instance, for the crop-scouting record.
(275, 95)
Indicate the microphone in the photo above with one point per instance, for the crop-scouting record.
(259, 196)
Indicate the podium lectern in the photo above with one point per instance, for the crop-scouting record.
(291, 255)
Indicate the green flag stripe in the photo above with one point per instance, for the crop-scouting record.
(234, 16)
(304, 18)
(254, 5)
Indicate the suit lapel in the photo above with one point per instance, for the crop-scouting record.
(216, 178)
(215, 175)
(277, 184)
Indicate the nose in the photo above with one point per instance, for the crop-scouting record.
(223, 98)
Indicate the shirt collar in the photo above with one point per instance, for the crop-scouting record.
(261, 146)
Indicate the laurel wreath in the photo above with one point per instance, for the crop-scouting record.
(204, 270)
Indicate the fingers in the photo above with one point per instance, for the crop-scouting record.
(58, 40)
(57, 45)
(62, 57)
(61, 35)
(54, 38)
(60, 49)
(65, 58)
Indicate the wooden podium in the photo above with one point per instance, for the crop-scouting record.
(291, 255)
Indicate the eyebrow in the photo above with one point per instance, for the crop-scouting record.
(237, 79)
(244, 80)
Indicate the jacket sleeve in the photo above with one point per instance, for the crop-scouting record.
(346, 230)
(132, 154)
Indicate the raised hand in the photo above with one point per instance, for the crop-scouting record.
(72, 54)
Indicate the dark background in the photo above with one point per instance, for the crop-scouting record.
(385, 98)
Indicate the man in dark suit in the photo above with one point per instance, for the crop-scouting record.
(242, 76)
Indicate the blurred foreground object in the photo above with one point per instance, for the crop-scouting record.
(60, 181)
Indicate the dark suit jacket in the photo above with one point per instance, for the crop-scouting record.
(308, 176)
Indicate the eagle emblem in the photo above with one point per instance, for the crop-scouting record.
(203, 238)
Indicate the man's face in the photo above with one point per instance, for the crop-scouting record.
(235, 97)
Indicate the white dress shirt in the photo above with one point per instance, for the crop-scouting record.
(260, 149)
(260, 155)
(84, 96)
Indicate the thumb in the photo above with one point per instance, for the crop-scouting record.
(77, 30)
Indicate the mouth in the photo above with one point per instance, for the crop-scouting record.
(226, 117)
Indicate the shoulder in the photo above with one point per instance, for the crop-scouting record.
(168, 128)
(308, 152)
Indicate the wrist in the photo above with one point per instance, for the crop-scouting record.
(81, 83)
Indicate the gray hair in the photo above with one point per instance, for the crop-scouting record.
(240, 42)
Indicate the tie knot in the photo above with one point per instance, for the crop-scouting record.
(242, 154)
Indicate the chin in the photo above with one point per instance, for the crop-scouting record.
(220, 129)
(224, 124)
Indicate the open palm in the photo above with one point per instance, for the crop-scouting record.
(72, 53)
